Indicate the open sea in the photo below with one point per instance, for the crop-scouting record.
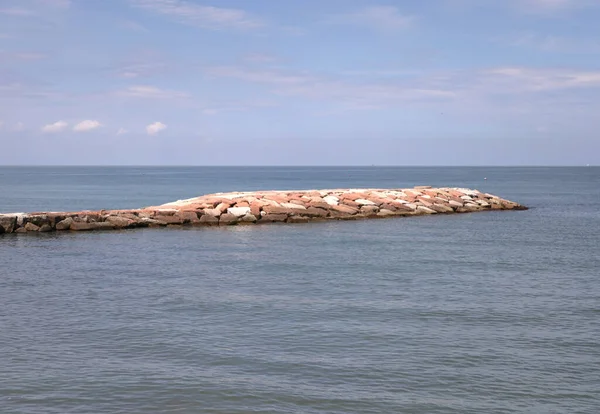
(495, 312)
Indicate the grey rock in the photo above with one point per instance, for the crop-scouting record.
(64, 224)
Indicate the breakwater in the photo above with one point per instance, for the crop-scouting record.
(259, 207)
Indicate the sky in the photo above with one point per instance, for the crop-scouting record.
(311, 82)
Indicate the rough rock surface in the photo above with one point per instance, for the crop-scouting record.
(226, 209)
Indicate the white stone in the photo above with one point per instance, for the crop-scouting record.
(331, 200)
(238, 211)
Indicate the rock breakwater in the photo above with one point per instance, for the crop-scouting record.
(258, 207)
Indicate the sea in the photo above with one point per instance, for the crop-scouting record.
(495, 312)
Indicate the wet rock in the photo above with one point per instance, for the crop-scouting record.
(45, 228)
(385, 213)
(83, 226)
(249, 219)
(209, 220)
(425, 210)
(8, 223)
(119, 222)
(315, 212)
(298, 219)
(273, 218)
(188, 217)
(228, 219)
(31, 227)
(64, 224)
(441, 208)
(169, 219)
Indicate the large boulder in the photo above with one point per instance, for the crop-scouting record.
(228, 219)
(188, 217)
(31, 227)
(64, 224)
(343, 209)
(209, 220)
(239, 211)
(331, 200)
(279, 210)
(46, 228)
(7, 223)
(119, 222)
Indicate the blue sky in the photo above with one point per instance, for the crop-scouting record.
(271, 82)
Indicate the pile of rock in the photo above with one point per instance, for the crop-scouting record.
(267, 207)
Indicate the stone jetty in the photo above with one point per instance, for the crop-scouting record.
(259, 207)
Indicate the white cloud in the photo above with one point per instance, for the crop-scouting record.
(155, 128)
(553, 44)
(86, 125)
(16, 11)
(208, 17)
(351, 93)
(55, 127)
(377, 17)
(151, 92)
(519, 78)
(122, 131)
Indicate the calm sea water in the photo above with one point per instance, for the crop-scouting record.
(481, 313)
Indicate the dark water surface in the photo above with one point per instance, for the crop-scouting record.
(496, 312)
